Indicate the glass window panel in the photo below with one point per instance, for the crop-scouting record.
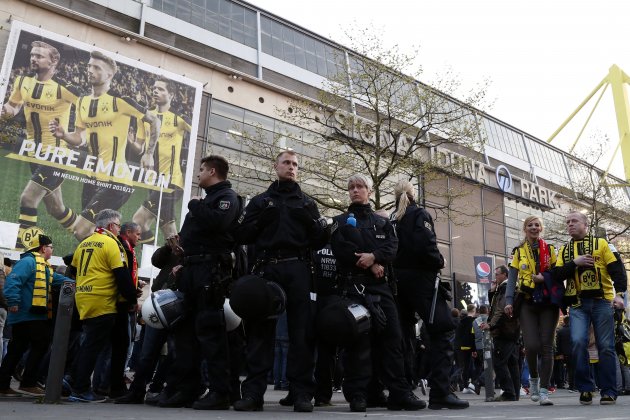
(157, 4)
(225, 8)
(237, 33)
(250, 20)
(289, 49)
(265, 40)
(311, 62)
(259, 120)
(300, 54)
(170, 7)
(228, 110)
(213, 5)
(265, 25)
(197, 17)
(495, 237)
(445, 250)
(493, 205)
(183, 10)
(277, 48)
(212, 22)
(237, 13)
(276, 29)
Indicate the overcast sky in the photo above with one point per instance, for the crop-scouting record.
(542, 57)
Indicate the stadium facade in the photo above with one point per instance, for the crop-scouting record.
(250, 63)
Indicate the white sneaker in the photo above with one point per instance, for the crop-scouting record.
(523, 393)
(467, 391)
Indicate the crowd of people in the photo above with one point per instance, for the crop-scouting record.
(532, 353)
(355, 301)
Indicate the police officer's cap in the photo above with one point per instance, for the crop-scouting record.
(254, 298)
(341, 322)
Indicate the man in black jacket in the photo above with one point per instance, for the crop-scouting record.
(505, 330)
(284, 224)
(364, 247)
(206, 244)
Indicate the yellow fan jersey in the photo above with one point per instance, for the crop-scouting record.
(106, 122)
(42, 102)
(95, 259)
(169, 146)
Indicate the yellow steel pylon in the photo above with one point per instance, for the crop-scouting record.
(617, 80)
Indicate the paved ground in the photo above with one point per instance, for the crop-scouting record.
(566, 407)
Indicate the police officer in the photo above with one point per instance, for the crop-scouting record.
(326, 284)
(284, 225)
(363, 252)
(206, 244)
(416, 266)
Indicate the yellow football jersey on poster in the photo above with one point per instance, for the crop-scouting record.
(96, 289)
(169, 145)
(42, 102)
(106, 121)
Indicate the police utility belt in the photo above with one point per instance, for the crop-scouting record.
(227, 258)
(365, 279)
(276, 257)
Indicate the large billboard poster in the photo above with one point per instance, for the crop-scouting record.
(83, 129)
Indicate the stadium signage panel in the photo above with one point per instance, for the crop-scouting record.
(469, 168)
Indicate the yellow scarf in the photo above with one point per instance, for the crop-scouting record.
(41, 302)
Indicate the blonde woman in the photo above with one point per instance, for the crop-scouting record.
(537, 314)
(417, 264)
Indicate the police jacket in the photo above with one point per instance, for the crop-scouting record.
(282, 222)
(372, 234)
(417, 242)
(206, 228)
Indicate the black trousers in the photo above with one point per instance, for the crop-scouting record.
(120, 347)
(505, 362)
(35, 334)
(295, 278)
(201, 335)
(98, 331)
(415, 294)
(326, 361)
(384, 350)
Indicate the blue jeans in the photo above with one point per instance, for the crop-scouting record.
(599, 312)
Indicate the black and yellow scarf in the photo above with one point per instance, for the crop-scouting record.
(42, 302)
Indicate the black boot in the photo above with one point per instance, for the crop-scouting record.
(130, 398)
(287, 401)
(248, 403)
(177, 400)
(358, 404)
(449, 401)
(213, 401)
(302, 404)
(408, 401)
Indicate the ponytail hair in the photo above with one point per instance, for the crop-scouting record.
(405, 194)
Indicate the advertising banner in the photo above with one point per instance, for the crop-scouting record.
(84, 129)
(483, 269)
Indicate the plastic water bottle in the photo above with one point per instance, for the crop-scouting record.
(351, 220)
